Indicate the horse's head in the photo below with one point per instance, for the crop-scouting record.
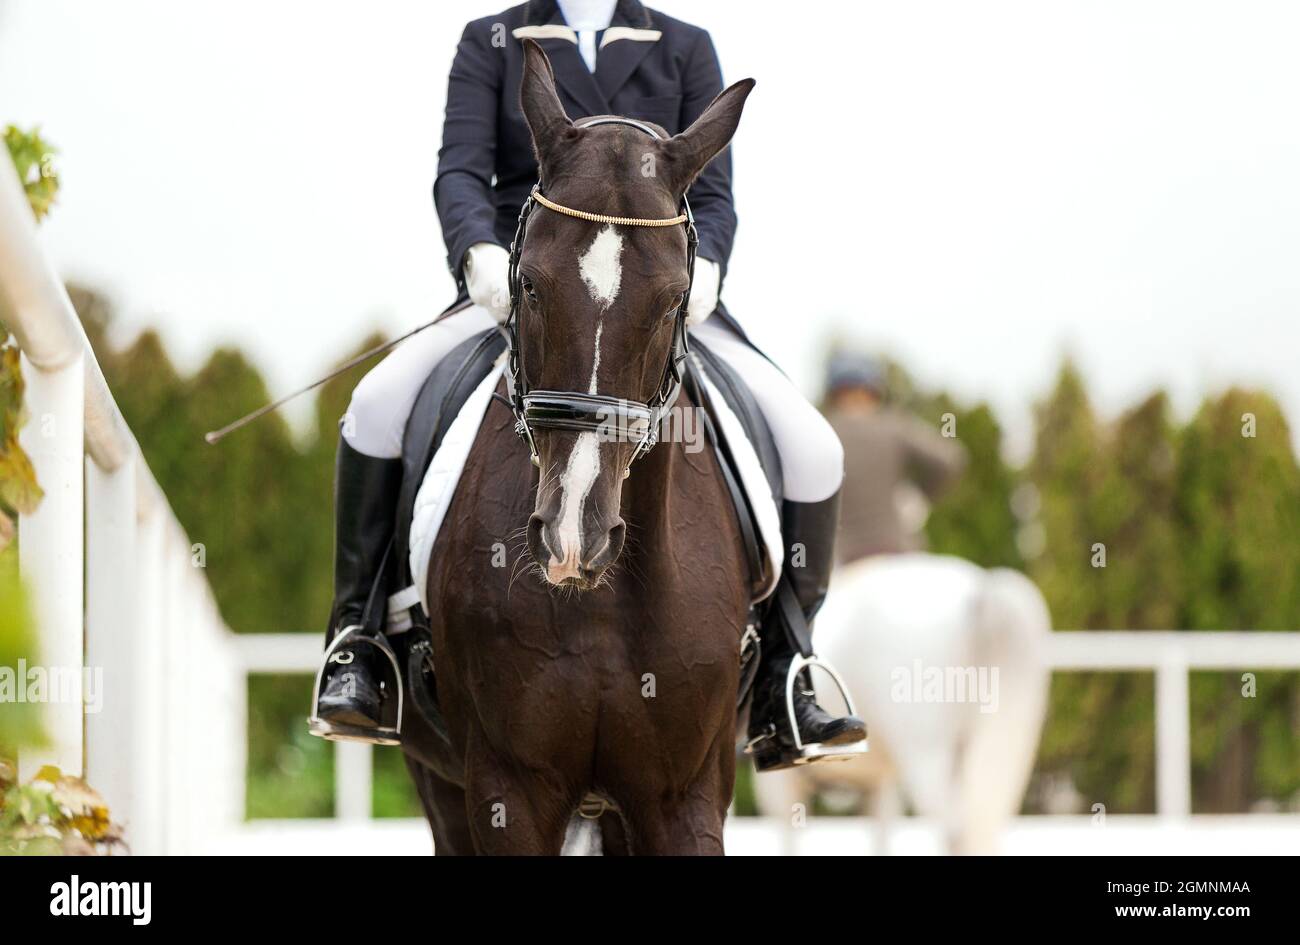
(598, 302)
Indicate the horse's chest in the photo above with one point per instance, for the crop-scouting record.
(529, 663)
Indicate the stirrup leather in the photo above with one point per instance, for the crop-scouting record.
(333, 731)
(803, 754)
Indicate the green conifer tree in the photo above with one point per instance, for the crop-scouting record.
(1238, 509)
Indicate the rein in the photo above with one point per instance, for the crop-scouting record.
(625, 421)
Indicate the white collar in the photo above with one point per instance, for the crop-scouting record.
(583, 15)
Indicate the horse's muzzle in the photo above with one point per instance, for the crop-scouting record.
(568, 560)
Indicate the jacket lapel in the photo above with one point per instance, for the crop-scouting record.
(545, 23)
(616, 61)
(628, 40)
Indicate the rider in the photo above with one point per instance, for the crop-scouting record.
(885, 450)
(609, 57)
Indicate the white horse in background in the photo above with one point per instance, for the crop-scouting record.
(946, 663)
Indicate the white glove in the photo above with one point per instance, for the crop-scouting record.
(487, 277)
(704, 291)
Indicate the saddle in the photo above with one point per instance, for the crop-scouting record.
(755, 492)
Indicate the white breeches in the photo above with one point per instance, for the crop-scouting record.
(382, 400)
(812, 459)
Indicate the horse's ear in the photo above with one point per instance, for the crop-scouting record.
(540, 102)
(690, 152)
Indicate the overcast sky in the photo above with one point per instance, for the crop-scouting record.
(973, 187)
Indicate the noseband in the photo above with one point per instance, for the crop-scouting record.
(616, 419)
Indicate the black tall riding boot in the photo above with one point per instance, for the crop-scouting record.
(365, 513)
(808, 529)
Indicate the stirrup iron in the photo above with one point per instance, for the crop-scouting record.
(815, 751)
(335, 732)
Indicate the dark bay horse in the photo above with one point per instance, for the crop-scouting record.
(602, 662)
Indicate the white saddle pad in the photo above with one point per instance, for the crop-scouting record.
(753, 481)
(439, 485)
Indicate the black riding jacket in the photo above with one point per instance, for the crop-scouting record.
(654, 68)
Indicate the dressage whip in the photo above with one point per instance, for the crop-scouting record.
(215, 436)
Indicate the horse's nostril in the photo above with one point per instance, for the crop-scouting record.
(542, 552)
(608, 551)
(616, 536)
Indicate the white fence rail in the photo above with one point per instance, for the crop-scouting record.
(1171, 655)
(114, 588)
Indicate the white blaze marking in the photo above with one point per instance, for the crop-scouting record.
(595, 360)
(600, 268)
(579, 476)
(602, 272)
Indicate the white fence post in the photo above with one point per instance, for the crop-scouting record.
(50, 554)
(353, 780)
(223, 804)
(145, 824)
(1173, 738)
(113, 635)
(178, 695)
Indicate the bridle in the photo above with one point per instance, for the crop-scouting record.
(624, 421)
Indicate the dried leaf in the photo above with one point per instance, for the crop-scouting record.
(54, 813)
(82, 807)
(50, 773)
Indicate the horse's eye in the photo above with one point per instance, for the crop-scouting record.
(527, 285)
(675, 305)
